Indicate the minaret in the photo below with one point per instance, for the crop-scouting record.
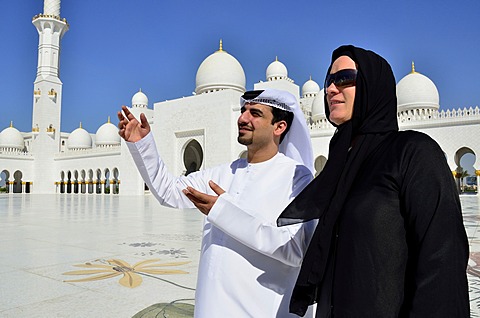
(47, 91)
(47, 97)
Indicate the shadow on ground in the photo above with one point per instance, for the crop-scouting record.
(175, 309)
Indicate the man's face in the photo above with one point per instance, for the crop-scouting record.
(255, 126)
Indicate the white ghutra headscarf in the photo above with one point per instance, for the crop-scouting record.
(296, 143)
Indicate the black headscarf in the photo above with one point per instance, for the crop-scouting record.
(374, 119)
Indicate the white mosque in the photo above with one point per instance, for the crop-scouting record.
(193, 132)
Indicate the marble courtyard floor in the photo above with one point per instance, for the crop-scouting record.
(118, 256)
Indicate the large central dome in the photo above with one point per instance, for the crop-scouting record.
(220, 71)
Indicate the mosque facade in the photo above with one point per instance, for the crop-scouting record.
(193, 132)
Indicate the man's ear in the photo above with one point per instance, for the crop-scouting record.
(279, 127)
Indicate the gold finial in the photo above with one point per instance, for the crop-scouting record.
(413, 68)
(220, 49)
(140, 89)
(80, 125)
(11, 123)
(310, 77)
(108, 120)
(276, 58)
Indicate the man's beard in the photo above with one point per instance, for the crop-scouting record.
(243, 140)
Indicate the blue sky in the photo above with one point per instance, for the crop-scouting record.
(113, 48)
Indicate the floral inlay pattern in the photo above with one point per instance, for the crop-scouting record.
(131, 275)
(474, 267)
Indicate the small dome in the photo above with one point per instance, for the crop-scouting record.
(11, 138)
(276, 70)
(140, 100)
(79, 139)
(417, 91)
(220, 71)
(107, 135)
(310, 88)
(318, 107)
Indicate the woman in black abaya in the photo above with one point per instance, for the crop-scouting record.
(390, 240)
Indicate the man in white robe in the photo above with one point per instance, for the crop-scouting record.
(248, 265)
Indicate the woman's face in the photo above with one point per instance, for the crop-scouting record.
(340, 98)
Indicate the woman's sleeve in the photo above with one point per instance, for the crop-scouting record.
(436, 283)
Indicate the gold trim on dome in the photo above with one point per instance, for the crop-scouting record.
(413, 68)
(220, 49)
(477, 173)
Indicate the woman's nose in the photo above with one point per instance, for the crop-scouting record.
(331, 89)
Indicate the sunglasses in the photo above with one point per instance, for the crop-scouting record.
(342, 78)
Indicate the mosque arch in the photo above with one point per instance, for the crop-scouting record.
(90, 181)
(17, 181)
(106, 184)
(115, 181)
(69, 182)
(98, 181)
(62, 181)
(465, 173)
(4, 181)
(75, 182)
(192, 156)
(319, 164)
(83, 188)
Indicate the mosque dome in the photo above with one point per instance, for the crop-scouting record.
(416, 91)
(276, 70)
(79, 139)
(220, 71)
(11, 138)
(310, 88)
(140, 100)
(318, 107)
(107, 135)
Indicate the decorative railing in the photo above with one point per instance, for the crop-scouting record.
(419, 117)
(14, 153)
(111, 150)
(52, 16)
(432, 115)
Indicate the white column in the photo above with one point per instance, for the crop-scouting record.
(51, 7)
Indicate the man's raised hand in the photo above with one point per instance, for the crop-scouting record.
(129, 128)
